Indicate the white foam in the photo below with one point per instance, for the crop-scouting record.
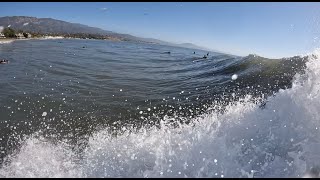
(242, 142)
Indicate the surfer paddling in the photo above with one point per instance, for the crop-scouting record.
(3, 61)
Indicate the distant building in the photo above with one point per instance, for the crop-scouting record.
(2, 36)
(29, 35)
(20, 36)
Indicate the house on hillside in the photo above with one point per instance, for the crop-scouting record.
(20, 36)
(29, 35)
(2, 36)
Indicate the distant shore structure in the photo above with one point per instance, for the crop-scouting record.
(2, 36)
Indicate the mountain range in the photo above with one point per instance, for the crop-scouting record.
(49, 25)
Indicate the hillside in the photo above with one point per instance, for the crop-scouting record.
(53, 26)
(47, 25)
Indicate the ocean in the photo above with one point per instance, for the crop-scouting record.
(97, 108)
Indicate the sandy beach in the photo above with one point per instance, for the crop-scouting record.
(10, 40)
(7, 40)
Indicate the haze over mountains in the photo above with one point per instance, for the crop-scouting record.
(49, 25)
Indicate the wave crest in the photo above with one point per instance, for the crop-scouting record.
(279, 140)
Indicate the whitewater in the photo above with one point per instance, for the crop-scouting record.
(279, 140)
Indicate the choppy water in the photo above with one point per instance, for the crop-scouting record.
(90, 108)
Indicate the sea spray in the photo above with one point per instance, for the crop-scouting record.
(278, 139)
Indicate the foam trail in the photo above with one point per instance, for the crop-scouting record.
(279, 140)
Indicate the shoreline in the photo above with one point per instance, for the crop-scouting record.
(10, 40)
(6, 40)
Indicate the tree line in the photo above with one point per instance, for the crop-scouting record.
(11, 33)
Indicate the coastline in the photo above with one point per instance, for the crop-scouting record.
(10, 40)
(6, 40)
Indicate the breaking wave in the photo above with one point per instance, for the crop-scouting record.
(280, 139)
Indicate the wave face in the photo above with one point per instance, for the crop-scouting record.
(265, 123)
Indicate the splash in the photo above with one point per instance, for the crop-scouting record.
(279, 139)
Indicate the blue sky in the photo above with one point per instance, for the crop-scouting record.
(267, 29)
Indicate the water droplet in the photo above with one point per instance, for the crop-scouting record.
(234, 77)
(44, 114)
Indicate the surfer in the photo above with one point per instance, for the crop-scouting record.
(204, 57)
(3, 61)
(207, 54)
(194, 52)
(168, 52)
